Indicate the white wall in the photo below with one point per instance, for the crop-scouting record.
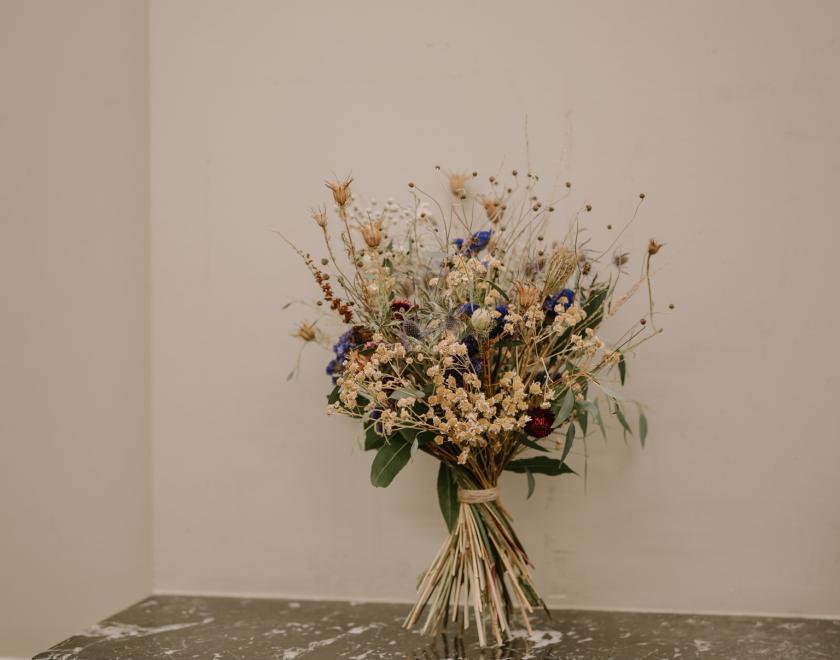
(724, 113)
(75, 495)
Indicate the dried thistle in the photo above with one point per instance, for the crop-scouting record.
(527, 295)
(458, 183)
(371, 232)
(340, 190)
(654, 247)
(561, 265)
(319, 215)
(305, 331)
(494, 208)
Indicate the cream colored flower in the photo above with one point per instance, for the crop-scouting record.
(482, 321)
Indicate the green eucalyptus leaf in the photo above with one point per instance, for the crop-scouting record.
(595, 411)
(532, 483)
(593, 306)
(525, 440)
(566, 406)
(583, 420)
(332, 397)
(391, 457)
(623, 421)
(567, 445)
(539, 465)
(501, 292)
(447, 489)
(372, 439)
(643, 428)
(412, 435)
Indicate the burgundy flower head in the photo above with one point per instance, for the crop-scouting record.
(540, 423)
(399, 305)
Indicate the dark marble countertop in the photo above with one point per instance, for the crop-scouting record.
(181, 627)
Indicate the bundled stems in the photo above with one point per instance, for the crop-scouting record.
(481, 566)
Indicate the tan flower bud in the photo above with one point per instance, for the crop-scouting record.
(527, 294)
(371, 232)
(319, 215)
(340, 190)
(306, 331)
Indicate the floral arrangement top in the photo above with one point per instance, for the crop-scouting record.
(472, 337)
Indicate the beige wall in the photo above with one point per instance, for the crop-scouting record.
(74, 347)
(724, 113)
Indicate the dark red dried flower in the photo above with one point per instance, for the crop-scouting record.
(399, 305)
(540, 423)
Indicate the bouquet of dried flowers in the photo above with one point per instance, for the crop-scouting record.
(470, 337)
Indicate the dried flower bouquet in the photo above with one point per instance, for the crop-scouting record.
(472, 338)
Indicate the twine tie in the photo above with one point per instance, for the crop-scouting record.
(478, 496)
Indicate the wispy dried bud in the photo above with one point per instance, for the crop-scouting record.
(340, 190)
(371, 232)
(654, 247)
(493, 207)
(306, 332)
(458, 183)
(319, 215)
(527, 295)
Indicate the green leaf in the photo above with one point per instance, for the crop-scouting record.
(623, 421)
(583, 420)
(567, 446)
(643, 428)
(500, 291)
(566, 407)
(447, 489)
(592, 407)
(532, 484)
(372, 439)
(540, 465)
(332, 397)
(622, 368)
(594, 306)
(525, 440)
(392, 457)
(421, 437)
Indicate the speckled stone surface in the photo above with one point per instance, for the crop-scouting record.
(180, 627)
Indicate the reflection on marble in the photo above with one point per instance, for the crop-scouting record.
(181, 627)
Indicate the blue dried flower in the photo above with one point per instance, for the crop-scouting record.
(477, 242)
(468, 308)
(472, 345)
(375, 414)
(500, 321)
(346, 343)
(480, 239)
(552, 301)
